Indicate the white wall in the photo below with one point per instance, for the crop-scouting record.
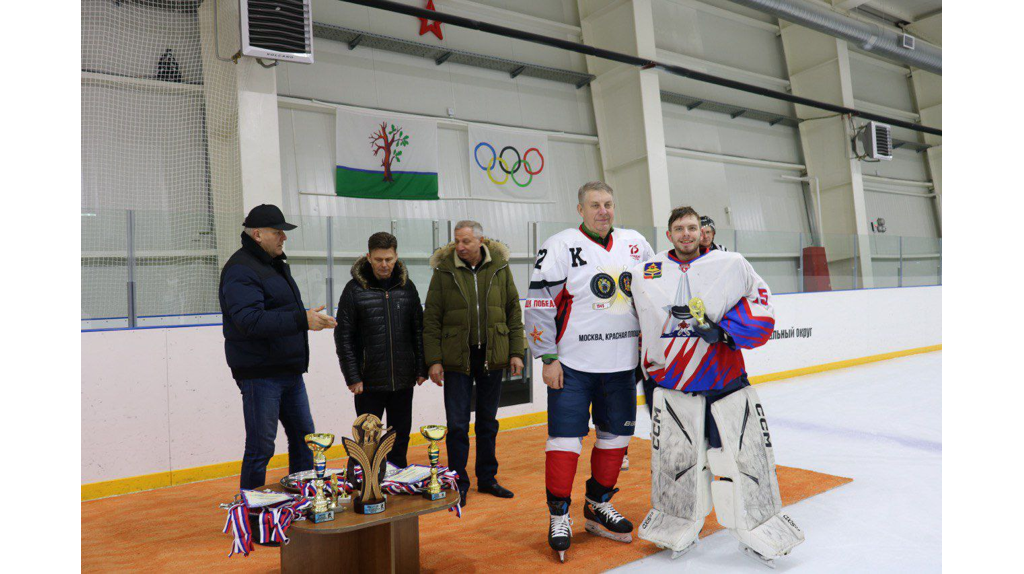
(161, 399)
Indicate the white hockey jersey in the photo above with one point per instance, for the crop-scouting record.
(734, 296)
(580, 300)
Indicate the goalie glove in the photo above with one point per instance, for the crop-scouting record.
(713, 333)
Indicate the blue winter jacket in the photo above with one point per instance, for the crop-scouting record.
(265, 327)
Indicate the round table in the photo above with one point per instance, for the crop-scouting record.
(384, 542)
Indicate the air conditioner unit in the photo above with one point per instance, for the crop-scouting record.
(277, 30)
(907, 41)
(877, 141)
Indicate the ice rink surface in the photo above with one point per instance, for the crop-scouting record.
(879, 424)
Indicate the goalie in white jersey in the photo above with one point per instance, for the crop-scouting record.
(580, 320)
(706, 419)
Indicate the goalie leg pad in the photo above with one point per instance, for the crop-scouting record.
(746, 498)
(680, 494)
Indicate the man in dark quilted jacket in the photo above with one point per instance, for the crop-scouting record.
(379, 339)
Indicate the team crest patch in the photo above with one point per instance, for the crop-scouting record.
(603, 285)
(626, 283)
(652, 270)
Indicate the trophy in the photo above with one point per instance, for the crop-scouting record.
(698, 311)
(319, 443)
(433, 433)
(369, 449)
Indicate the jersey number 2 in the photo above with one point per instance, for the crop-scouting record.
(540, 257)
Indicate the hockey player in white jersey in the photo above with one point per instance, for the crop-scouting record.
(580, 320)
(707, 421)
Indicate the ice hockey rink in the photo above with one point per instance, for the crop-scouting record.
(879, 424)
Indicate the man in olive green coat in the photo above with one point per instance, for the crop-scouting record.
(472, 331)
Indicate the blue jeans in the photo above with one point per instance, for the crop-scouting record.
(264, 402)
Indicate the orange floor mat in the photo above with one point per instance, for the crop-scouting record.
(179, 528)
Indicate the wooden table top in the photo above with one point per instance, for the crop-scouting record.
(399, 507)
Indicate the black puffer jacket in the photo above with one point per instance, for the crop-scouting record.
(379, 337)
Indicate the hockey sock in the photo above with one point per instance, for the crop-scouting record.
(605, 464)
(559, 471)
(562, 456)
(606, 458)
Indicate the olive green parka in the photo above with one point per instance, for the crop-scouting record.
(447, 316)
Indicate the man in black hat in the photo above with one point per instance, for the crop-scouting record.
(266, 343)
(707, 235)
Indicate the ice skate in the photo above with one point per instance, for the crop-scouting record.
(769, 562)
(678, 553)
(560, 532)
(602, 518)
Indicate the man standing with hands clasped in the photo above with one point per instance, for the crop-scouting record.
(379, 339)
(472, 331)
(267, 345)
(580, 321)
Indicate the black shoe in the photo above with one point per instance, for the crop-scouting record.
(462, 497)
(497, 490)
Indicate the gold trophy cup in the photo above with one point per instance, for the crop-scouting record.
(698, 312)
(433, 433)
(319, 443)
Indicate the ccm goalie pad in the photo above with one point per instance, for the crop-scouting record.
(680, 481)
(746, 497)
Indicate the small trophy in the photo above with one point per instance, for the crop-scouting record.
(369, 450)
(334, 491)
(698, 311)
(319, 443)
(433, 433)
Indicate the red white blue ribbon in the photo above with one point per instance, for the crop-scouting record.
(273, 522)
(238, 524)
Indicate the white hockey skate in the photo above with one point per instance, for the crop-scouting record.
(678, 553)
(754, 554)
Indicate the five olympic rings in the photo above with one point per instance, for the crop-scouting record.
(510, 172)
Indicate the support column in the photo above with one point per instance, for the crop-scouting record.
(819, 68)
(927, 90)
(243, 148)
(627, 109)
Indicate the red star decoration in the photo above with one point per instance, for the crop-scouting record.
(536, 334)
(425, 25)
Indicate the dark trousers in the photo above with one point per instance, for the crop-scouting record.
(458, 390)
(398, 405)
(264, 402)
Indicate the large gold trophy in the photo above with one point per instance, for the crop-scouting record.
(319, 443)
(433, 433)
(369, 450)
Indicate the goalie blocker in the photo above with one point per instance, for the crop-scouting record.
(746, 495)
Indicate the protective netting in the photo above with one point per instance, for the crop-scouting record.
(158, 138)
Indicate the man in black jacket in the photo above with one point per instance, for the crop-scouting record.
(266, 343)
(380, 339)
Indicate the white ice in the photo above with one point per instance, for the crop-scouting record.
(879, 424)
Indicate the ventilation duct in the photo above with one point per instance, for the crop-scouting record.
(868, 37)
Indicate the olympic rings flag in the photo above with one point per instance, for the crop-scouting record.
(385, 156)
(508, 164)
